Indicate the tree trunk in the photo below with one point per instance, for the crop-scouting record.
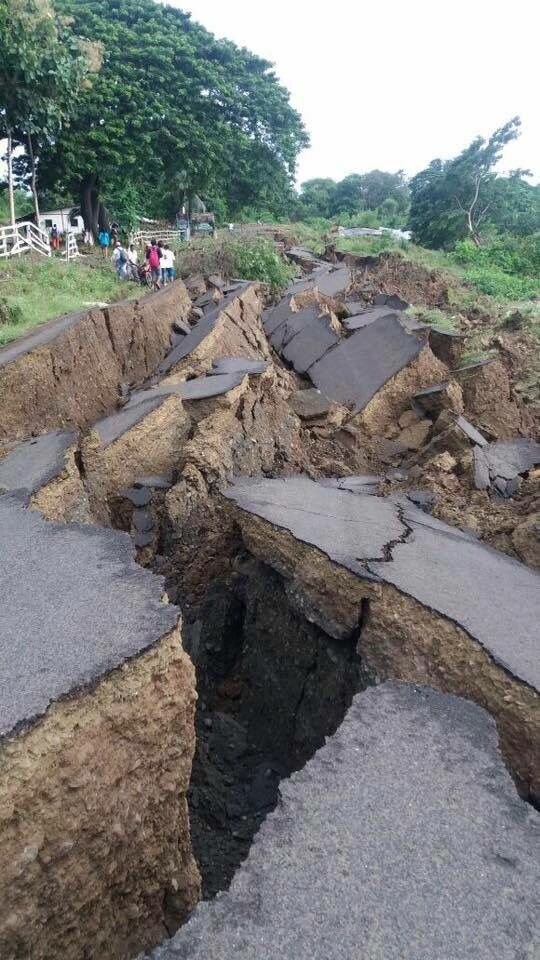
(33, 183)
(10, 177)
(103, 217)
(89, 197)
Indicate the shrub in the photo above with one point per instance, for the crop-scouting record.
(513, 255)
(260, 260)
(503, 286)
(256, 259)
(10, 313)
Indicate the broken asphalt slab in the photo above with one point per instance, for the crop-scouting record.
(353, 371)
(492, 597)
(367, 316)
(500, 463)
(33, 463)
(337, 522)
(140, 405)
(199, 332)
(335, 283)
(241, 365)
(144, 402)
(403, 837)
(308, 404)
(308, 346)
(75, 606)
(292, 323)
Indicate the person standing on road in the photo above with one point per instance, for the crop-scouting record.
(103, 240)
(55, 239)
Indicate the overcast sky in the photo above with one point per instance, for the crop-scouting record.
(394, 83)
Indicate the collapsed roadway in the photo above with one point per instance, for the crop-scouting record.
(342, 734)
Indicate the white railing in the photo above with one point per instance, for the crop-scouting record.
(72, 250)
(146, 236)
(21, 237)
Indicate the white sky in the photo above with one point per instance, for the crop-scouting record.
(394, 83)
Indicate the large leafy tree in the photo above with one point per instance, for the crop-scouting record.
(452, 199)
(375, 190)
(44, 67)
(317, 197)
(170, 99)
(515, 204)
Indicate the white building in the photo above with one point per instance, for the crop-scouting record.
(67, 220)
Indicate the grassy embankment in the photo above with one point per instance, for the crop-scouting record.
(34, 290)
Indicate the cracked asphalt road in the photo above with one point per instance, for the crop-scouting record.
(402, 838)
(75, 606)
(494, 598)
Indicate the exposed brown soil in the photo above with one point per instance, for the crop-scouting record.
(268, 620)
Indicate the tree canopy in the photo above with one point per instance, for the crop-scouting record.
(171, 101)
(358, 192)
(44, 67)
(453, 199)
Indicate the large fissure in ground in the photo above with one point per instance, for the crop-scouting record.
(272, 687)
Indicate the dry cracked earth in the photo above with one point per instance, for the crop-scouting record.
(270, 663)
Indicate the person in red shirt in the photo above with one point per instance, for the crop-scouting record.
(153, 256)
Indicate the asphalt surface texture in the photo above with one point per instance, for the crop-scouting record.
(140, 405)
(367, 316)
(33, 463)
(354, 370)
(494, 598)
(237, 365)
(75, 606)
(310, 344)
(199, 332)
(402, 839)
(292, 324)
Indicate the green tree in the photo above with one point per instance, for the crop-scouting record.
(170, 99)
(349, 194)
(43, 69)
(317, 197)
(378, 186)
(515, 205)
(451, 199)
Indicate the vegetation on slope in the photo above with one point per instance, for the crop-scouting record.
(32, 291)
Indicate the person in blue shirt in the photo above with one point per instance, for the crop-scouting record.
(103, 240)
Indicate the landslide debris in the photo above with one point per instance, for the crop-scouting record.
(289, 608)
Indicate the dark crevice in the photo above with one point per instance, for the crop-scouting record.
(79, 463)
(107, 319)
(272, 686)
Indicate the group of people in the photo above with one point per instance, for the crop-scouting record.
(160, 260)
(156, 270)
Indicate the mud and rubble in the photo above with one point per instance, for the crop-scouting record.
(286, 469)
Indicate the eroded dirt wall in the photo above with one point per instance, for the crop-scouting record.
(69, 371)
(402, 639)
(95, 860)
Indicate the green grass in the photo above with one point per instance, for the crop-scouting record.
(32, 291)
(500, 285)
(434, 317)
